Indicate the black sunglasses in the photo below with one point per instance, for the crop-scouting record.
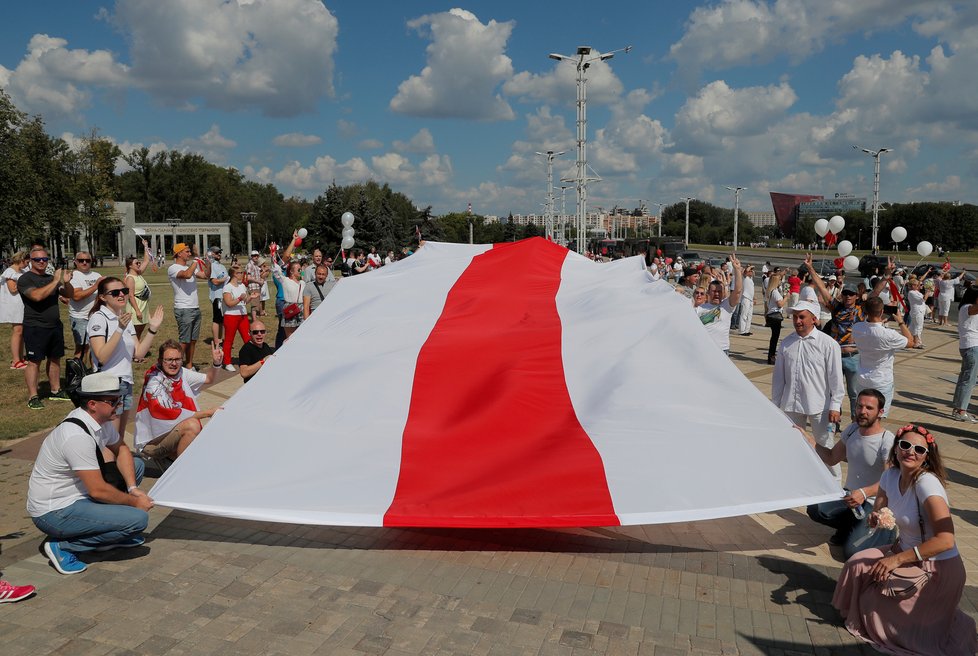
(83, 260)
(122, 291)
(907, 446)
(40, 259)
(258, 332)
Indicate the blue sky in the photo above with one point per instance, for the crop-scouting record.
(448, 103)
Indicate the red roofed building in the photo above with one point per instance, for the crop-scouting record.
(786, 210)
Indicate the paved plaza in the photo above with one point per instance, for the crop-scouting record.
(759, 584)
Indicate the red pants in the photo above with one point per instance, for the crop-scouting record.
(232, 323)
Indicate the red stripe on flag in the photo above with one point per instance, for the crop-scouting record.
(491, 437)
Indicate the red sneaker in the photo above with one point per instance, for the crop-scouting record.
(11, 593)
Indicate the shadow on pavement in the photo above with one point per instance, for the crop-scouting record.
(767, 646)
(814, 586)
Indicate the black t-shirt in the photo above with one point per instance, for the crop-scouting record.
(43, 313)
(250, 353)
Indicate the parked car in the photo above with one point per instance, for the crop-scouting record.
(692, 259)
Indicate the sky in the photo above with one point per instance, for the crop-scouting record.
(449, 103)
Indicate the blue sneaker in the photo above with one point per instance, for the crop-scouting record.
(63, 561)
(128, 543)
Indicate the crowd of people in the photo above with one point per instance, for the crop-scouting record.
(901, 586)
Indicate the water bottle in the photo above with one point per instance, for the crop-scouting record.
(856, 510)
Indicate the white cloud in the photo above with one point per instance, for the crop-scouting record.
(371, 144)
(322, 173)
(559, 85)
(740, 32)
(422, 142)
(435, 170)
(347, 129)
(936, 190)
(465, 65)
(274, 57)
(296, 140)
(393, 168)
(212, 145)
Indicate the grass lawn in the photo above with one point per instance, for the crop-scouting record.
(17, 420)
(968, 259)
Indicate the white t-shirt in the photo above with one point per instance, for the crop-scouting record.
(807, 293)
(772, 302)
(947, 286)
(747, 297)
(876, 344)
(81, 309)
(11, 305)
(235, 291)
(967, 328)
(220, 273)
(184, 289)
(104, 324)
(716, 320)
(916, 301)
(907, 508)
(67, 449)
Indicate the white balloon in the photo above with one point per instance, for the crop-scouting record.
(302, 233)
(349, 232)
(925, 248)
(851, 263)
(347, 219)
(845, 247)
(836, 224)
(898, 234)
(347, 242)
(821, 227)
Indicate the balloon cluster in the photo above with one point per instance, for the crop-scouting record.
(924, 248)
(347, 220)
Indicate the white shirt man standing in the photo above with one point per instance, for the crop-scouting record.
(84, 283)
(184, 273)
(807, 381)
(877, 345)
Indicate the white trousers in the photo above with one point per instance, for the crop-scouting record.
(746, 314)
(820, 431)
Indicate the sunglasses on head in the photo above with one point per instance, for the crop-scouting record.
(122, 291)
(258, 332)
(907, 446)
(40, 259)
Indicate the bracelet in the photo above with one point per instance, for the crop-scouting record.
(131, 488)
(216, 365)
(864, 495)
(916, 552)
(151, 331)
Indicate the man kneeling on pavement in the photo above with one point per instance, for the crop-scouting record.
(69, 498)
(866, 446)
(168, 417)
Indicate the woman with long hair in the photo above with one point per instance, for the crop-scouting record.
(876, 605)
(774, 311)
(236, 296)
(12, 308)
(139, 291)
(113, 341)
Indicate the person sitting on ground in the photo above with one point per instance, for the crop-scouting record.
(168, 417)
(68, 497)
(865, 445)
(252, 356)
(927, 620)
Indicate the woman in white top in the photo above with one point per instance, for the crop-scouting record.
(928, 620)
(236, 298)
(968, 346)
(113, 341)
(292, 287)
(918, 310)
(945, 295)
(139, 291)
(12, 308)
(773, 312)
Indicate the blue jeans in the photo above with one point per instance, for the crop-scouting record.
(850, 365)
(856, 531)
(87, 524)
(966, 379)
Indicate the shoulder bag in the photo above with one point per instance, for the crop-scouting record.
(110, 470)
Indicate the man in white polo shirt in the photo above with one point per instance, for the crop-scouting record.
(716, 313)
(877, 345)
(84, 283)
(184, 273)
(807, 380)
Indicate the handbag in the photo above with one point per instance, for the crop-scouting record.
(905, 582)
(110, 470)
(291, 311)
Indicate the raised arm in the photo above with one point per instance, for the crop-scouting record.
(738, 289)
(824, 296)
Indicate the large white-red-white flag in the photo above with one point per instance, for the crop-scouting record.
(516, 385)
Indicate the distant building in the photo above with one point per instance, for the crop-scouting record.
(762, 219)
(826, 208)
(786, 210)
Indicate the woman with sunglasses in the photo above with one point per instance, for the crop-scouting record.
(773, 312)
(112, 338)
(927, 621)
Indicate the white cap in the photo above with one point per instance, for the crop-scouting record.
(255, 253)
(810, 306)
(100, 384)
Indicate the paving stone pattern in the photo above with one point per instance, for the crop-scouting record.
(760, 584)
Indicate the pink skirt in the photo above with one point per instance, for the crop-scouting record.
(928, 623)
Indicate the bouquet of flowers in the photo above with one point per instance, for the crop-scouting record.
(884, 519)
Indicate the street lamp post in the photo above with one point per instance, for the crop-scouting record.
(551, 201)
(875, 154)
(173, 222)
(736, 191)
(659, 222)
(249, 217)
(686, 200)
(563, 214)
(583, 60)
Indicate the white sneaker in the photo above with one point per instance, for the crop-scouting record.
(229, 367)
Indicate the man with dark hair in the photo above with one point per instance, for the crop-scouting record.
(43, 330)
(69, 499)
(877, 345)
(865, 445)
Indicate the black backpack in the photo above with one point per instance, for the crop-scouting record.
(75, 370)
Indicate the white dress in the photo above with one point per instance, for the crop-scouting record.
(11, 305)
(917, 311)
